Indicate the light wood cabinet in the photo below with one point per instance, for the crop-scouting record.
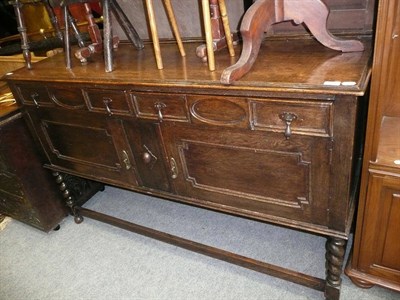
(376, 253)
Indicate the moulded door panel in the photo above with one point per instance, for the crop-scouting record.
(251, 172)
(148, 155)
(380, 239)
(86, 144)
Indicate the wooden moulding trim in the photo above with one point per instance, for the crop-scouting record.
(243, 261)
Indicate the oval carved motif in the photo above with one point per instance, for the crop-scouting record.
(220, 112)
(70, 99)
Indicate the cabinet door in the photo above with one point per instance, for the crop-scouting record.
(85, 144)
(149, 160)
(380, 235)
(249, 172)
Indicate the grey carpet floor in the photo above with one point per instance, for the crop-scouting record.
(93, 260)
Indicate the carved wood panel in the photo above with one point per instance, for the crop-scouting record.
(89, 142)
(251, 172)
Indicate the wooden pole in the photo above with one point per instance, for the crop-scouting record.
(208, 32)
(154, 33)
(227, 29)
(174, 25)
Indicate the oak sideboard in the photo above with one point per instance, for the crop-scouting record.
(281, 145)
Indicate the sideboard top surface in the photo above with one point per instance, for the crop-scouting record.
(297, 65)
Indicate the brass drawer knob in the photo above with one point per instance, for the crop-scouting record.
(146, 157)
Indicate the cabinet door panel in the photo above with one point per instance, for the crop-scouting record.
(88, 145)
(149, 160)
(255, 173)
(382, 254)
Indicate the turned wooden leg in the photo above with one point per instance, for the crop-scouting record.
(22, 31)
(69, 198)
(67, 46)
(227, 29)
(221, 34)
(107, 39)
(208, 31)
(315, 15)
(255, 22)
(154, 33)
(174, 25)
(264, 13)
(53, 19)
(75, 29)
(335, 249)
(126, 25)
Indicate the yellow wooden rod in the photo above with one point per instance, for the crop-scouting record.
(154, 33)
(174, 25)
(225, 22)
(208, 32)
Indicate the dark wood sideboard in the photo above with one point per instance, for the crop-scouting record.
(281, 145)
(376, 253)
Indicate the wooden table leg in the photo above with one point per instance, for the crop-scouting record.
(154, 33)
(126, 25)
(208, 32)
(335, 249)
(22, 31)
(53, 19)
(174, 25)
(227, 29)
(107, 37)
(67, 46)
(263, 13)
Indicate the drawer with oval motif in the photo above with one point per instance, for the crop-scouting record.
(107, 101)
(160, 106)
(68, 97)
(34, 94)
(219, 110)
(292, 116)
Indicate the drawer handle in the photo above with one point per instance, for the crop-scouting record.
(160, 106)
(174, 168)
(35, 97)
(126, 160)
(107, 102)
(288, 118)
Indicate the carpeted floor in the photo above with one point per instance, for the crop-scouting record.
(97, 261)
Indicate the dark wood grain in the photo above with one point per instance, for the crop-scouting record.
(278, 146)
(283, 66)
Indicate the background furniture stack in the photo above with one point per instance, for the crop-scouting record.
(27, 191)
(376, 254)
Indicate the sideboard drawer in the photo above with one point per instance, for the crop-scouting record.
(219, 111)
(34, 94)
(297, 116)
(160, 106)
(52, 95)
(107, 101)
(67, 97)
